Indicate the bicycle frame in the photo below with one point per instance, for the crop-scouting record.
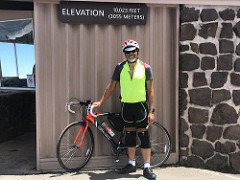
(90, 118)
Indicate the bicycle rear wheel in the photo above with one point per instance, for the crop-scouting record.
(70, 156)
(160, 146)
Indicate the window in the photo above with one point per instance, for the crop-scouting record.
(17, 59)
(26, 59)
(7, 59)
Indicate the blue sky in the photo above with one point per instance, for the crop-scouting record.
(25, 55)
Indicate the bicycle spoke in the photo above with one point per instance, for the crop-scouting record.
(66, 153)
(70, 158)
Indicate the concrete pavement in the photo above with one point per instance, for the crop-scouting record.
(165, 173)
(18, 162)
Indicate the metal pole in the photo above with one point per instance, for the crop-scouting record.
(15, 50)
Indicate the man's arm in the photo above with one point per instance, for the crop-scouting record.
(107, 93)
(150, 92)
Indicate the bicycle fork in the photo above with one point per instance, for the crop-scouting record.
(90, 118)
(79, 133)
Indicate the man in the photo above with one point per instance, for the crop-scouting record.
(135, 77)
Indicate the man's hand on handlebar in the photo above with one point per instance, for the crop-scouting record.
(96, 104)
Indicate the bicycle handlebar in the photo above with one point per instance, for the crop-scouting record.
(82, 103)
(91, 111)
(68, 107)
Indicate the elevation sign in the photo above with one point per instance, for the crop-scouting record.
(102, 13)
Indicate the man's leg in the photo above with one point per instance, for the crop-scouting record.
(145, 150)
(131, 150)
(131, 143)
(146, 153)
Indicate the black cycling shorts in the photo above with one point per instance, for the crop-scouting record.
(135, 114)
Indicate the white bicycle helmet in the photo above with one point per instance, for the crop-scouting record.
(130, 45)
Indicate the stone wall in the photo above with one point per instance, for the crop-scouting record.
(210, 87)
(17, 113)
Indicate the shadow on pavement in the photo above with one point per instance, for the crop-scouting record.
(111, 174)
(18, 156)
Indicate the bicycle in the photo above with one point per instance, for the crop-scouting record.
(76, 142)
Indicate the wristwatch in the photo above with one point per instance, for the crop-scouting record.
(152, 110)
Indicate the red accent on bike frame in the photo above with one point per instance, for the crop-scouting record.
(79, 132)
(85, 130)
(91, 119)
(123, 130)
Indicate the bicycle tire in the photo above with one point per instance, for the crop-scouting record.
(72, 157)
(160, 146)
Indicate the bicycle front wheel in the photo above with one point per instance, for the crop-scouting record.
(73, 153)
(160, 146)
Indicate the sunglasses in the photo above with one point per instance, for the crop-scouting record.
(133, 51)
